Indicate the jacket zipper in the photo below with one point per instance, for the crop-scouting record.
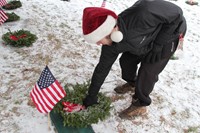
(172, 49)
(143, 40)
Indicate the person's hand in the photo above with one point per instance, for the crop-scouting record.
(155, 54)
(90, 100)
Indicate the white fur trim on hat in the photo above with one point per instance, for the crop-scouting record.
(102, 31)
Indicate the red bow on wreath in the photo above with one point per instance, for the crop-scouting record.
(71, 107)
(15, 38)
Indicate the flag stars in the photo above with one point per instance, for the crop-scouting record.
(46, 78)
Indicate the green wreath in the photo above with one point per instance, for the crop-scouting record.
(173, 57)
(12, 17)
(87, 116)
(19, 38)
(191, 2)
(12, 5)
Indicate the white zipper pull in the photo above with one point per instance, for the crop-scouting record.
(172, 49)
(143, 39)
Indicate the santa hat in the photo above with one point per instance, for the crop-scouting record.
(98, 23)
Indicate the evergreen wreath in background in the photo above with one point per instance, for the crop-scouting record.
(87, 116)
(12, 5)
(19, 38)
(173, 57)
(12, 17)
(191, 2)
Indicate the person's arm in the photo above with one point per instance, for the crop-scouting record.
(107, 58)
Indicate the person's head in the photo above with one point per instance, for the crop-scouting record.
(100, 26)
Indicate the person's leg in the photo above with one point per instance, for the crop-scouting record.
(128, 63)
(147, 77)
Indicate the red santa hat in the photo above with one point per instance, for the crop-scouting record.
(98, 23)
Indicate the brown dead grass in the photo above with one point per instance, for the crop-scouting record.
(116, 97)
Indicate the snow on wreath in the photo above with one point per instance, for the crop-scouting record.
(12, 5)
(83, 117)
(19, 38)
(12, 17)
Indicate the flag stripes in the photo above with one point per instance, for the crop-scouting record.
(40, 100)
(3, 17)
(3, 2)
(46, 98)
(103, 3)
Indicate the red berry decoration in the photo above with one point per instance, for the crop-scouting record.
(14, 38)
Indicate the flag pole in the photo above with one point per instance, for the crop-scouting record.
(47, 61)
(1, 29)
(103, 4)
(49, 120)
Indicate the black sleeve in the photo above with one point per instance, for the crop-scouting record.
(107, 58)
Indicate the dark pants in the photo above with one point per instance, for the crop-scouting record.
(145, 77)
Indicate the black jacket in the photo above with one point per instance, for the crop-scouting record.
(141, 24)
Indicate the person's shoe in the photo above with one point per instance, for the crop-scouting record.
(133, 111)
(122, 89)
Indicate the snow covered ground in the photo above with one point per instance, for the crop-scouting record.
(57, 24)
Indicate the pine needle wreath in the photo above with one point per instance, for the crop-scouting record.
(173, 57)
(12, 5)
(19, 38)
(191, 2)
(87, 116)
(12, 17)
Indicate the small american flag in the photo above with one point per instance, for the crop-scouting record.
(47, 92)
(103, 4)
(3, 17)
(3, 2)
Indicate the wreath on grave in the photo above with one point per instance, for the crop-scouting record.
(173, 57)
(190, 2)
(12, 5)
(85, 117)
(19, 38)
(12, 17)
